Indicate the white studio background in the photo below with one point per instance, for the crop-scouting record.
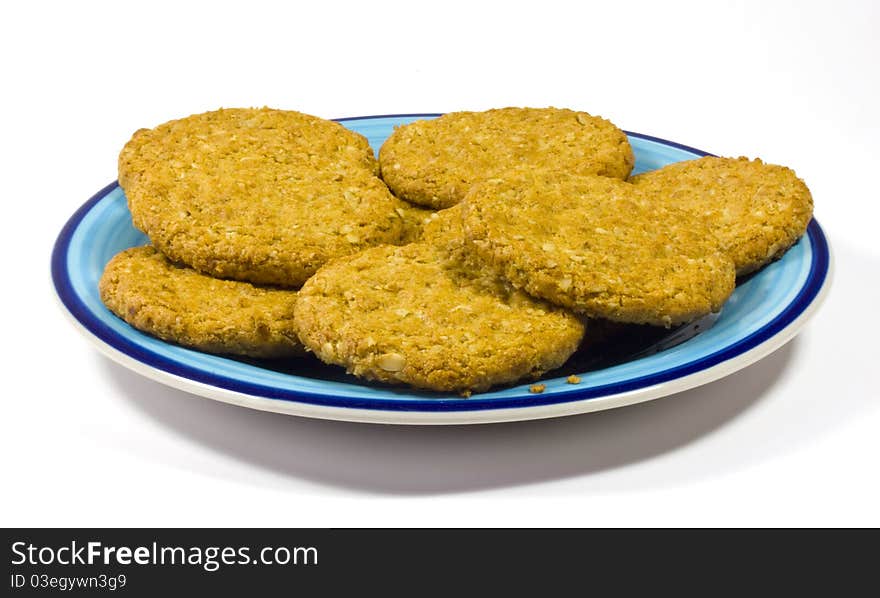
(791, 440)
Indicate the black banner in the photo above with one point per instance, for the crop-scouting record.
(247, 562)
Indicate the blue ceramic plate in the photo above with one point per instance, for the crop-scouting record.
(764, 312)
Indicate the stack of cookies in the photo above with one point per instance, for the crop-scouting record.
(480, 248)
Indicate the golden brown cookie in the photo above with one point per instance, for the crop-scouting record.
(757, 210)
(416, 315)
(261, 195)
(180, 305)
(435, 162)
(599, 246)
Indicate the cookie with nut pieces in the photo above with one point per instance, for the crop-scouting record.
(598, 246)
(435, 162)
(756, 210)
(260, 195)
(416, 315)
(180, 305)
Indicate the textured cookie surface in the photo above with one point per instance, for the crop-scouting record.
(435, 162)
(178, 304)
(414, 220)
(598, 246)
(444, 227)
(415, 315)
(757, 210)
(260, 195)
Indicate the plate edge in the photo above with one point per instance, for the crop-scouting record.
(59, 272)
(463, 417)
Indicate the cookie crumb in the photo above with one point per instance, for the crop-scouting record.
(537, 388)
(573, 379)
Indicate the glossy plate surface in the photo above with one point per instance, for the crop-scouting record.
(763, 313)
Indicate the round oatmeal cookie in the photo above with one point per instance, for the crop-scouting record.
(598, 246)
(435, 162)
(180, 305)
(416, 315)
(260, 195)
(757, 210)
